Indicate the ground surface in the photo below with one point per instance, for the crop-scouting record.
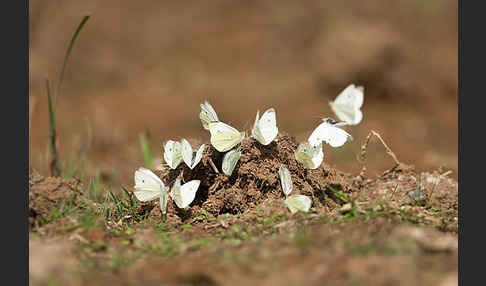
(149, 67)
(360, 231)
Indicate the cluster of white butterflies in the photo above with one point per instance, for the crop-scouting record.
(148, 186)
(224, 137)
(176, 152)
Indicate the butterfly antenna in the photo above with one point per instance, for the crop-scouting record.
(245, 125)
(325, 118)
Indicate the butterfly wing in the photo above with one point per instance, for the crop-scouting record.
(352, 96)
(337, 137)
(358, 116)
(330, 134)
(297, 203)
(187, 154)
(347, 104)
(319, 134)
(223, 136)
(266, 127)
(317, 156)
(302, 155)
(230, 160)
(198, 156)
(148, 186)
(168, 149)
(304, 159)
(309, 156)
(359, 96)
(207, 115)
(255, 132)
(285, 180)
(188, 192)
(173, 153)
(346, 113)
(175, 192)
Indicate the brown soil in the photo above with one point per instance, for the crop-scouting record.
(48, 194)
(238, 231)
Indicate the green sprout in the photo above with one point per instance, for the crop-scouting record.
(146, 146)
(52, 100)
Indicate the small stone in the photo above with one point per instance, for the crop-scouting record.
(418, 195)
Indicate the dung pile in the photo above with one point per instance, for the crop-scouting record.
(254, 180)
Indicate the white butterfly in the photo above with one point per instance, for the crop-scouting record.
(173, 153)
(297, 203)
(190, 157)
(224, 137)
(285, 180)
(348, 103)
(310, 156)
(265, 128)
(185, 194)
(149, 186)
(207, 115)
(230, 160)
(328, 132)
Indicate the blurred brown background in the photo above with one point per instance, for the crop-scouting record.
(149, 64)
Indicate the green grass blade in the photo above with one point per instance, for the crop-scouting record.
(94, 190)
(68, 52)
(129, 197)
(113, 197)
(52, 114)
(146, 146)
(342, 196)
(54, 164)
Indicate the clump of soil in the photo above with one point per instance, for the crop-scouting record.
(49, 193)
(254, 179)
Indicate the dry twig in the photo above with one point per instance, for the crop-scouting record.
(213, 166)
(362, 158)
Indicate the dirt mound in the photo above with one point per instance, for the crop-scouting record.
(239, 226)
(48, 195)
(254, 180)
